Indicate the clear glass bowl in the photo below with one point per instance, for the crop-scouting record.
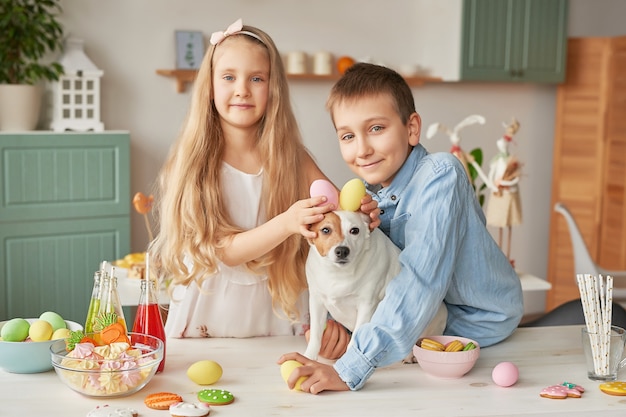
(94, 376)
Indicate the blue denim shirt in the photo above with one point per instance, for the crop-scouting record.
(431, 213)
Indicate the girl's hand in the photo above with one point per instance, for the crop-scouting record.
(305, 212)
(369, 206)
(334, 340)
(320, 377)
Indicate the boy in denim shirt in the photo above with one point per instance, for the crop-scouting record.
(429, 210)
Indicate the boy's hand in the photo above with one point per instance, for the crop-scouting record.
(369, 206)
(321, 377)
(335, 340)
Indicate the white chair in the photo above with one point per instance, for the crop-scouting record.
(583, 263)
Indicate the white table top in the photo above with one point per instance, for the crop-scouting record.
(545, 356)
(532, 283)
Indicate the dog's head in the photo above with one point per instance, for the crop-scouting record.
(341, 237)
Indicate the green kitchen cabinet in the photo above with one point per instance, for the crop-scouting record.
(514, 40)
(64, 208)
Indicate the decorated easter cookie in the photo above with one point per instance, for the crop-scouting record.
(162, 400)
(565, 390)
(572, 385)
(613, 388)
(184, 409)
(106, 411)
(216, 396)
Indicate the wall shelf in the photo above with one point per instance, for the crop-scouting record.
(184, 77)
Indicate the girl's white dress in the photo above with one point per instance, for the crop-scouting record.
(234, 302)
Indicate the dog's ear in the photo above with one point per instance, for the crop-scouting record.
(315, 227)
(310, 227)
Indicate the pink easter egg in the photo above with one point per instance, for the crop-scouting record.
(505, 374)
(325, 188)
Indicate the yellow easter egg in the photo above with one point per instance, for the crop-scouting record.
(40, 330)
(205, 372)
(287, 367)
(60, 334)
(351, 194)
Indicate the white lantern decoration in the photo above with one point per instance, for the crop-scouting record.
(76, 96)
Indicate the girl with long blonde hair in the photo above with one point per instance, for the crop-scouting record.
(233, 200)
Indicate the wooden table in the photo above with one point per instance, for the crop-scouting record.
(545, 356)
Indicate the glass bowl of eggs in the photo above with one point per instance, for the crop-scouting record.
(110, 370)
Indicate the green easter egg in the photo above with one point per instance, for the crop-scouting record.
(15, 330)
(54, 319)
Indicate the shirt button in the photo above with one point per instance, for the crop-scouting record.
(382, 211)
(393, 198)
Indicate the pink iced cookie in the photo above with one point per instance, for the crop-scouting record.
(562, 391)
(572, 385)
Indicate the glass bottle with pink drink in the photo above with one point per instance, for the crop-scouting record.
(148, 319)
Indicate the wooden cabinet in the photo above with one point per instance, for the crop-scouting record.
(514, 40)
(64, 207)
(589, 167)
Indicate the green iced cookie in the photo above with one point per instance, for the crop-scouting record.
(215, 396)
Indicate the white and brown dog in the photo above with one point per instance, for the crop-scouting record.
(347, 269)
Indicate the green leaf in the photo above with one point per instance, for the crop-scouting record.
(29, 33)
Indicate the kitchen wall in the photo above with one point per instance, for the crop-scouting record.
(130, 39)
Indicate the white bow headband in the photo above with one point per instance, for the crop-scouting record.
(235, 28)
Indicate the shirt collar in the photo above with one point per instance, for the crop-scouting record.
(403, 177)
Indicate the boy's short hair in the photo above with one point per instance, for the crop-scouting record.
(362, 79)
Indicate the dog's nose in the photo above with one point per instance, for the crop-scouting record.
(342, 252)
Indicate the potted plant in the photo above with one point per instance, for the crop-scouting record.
(29, 31)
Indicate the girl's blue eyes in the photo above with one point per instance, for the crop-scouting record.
(231, 78)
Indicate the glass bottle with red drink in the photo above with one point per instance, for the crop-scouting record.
(148, 319)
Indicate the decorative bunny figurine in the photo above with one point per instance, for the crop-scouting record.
(456, 150)
(455, 140)
(504, 208)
